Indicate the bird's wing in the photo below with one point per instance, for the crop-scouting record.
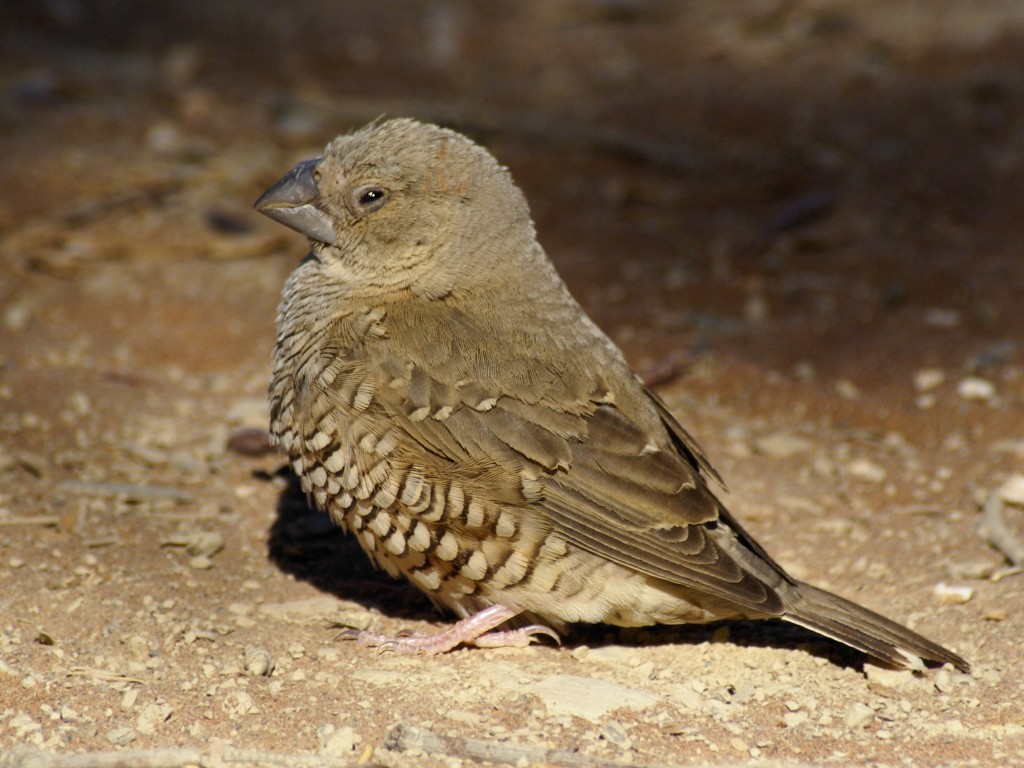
(632, 495)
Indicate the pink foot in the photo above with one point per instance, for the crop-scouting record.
(473, 630)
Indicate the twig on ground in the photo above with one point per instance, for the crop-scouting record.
(131, 491)
(403, 738)
(218, 755)
(994, 530)
(103, 674)
(44, 520)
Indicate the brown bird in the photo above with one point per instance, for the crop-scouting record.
(443, 397)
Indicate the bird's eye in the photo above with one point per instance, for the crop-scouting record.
(369, 198)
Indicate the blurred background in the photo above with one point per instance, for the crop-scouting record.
(819, 165)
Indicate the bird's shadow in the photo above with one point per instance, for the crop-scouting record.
(307, 545)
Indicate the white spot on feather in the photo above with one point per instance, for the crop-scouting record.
(336, 461)
(318, 441)
(476, 567)
(447, 547)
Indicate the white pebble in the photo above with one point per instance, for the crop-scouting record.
(17, 315)
(207, 543)
(259, 662)
(847, 389)
(865, 469)
(782, 445)
(948, 593)
(1012, 491)
(238, 703)
(341, 742)
(859, 715)
(974, 388)
(794, 719)
(928, 378)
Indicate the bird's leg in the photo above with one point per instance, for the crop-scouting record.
(472, 630)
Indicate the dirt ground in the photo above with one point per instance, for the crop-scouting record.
(803, 218)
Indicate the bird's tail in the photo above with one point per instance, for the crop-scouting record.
(865, 630)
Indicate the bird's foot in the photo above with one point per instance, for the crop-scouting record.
(473, 630)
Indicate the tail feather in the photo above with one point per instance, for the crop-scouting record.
(865, 630)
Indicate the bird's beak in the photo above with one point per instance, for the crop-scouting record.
(294, 201)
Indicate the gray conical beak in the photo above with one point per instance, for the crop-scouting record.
(294, 201)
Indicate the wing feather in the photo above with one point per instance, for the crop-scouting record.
(632, 495)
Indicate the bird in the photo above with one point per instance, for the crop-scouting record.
(442, 396)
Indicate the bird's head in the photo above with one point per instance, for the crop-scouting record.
(402, 205)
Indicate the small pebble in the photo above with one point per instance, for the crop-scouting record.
(1012, 491)
(341, 742)
(120, 737)
(250, 441)
(152, 716)
(79, 403)
(865, 469)
(793, 719)
(928, 378)
(974, 388)
(129, 699)
(259, 662)
(782, 445)
(756, 309)
(164, 139)
(859, 715)
(938, 317)
(239, 703)
(17, 315)
(847, 390)
(614, 732)
(206, 543)
(943, 681)
(687, 697)
(952, 594)
(926, 401)
(975, 569)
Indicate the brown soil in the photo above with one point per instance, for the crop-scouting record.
(803, 218)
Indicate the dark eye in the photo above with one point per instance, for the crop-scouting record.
(369, 198)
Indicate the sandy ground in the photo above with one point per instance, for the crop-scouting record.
(802, 218)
